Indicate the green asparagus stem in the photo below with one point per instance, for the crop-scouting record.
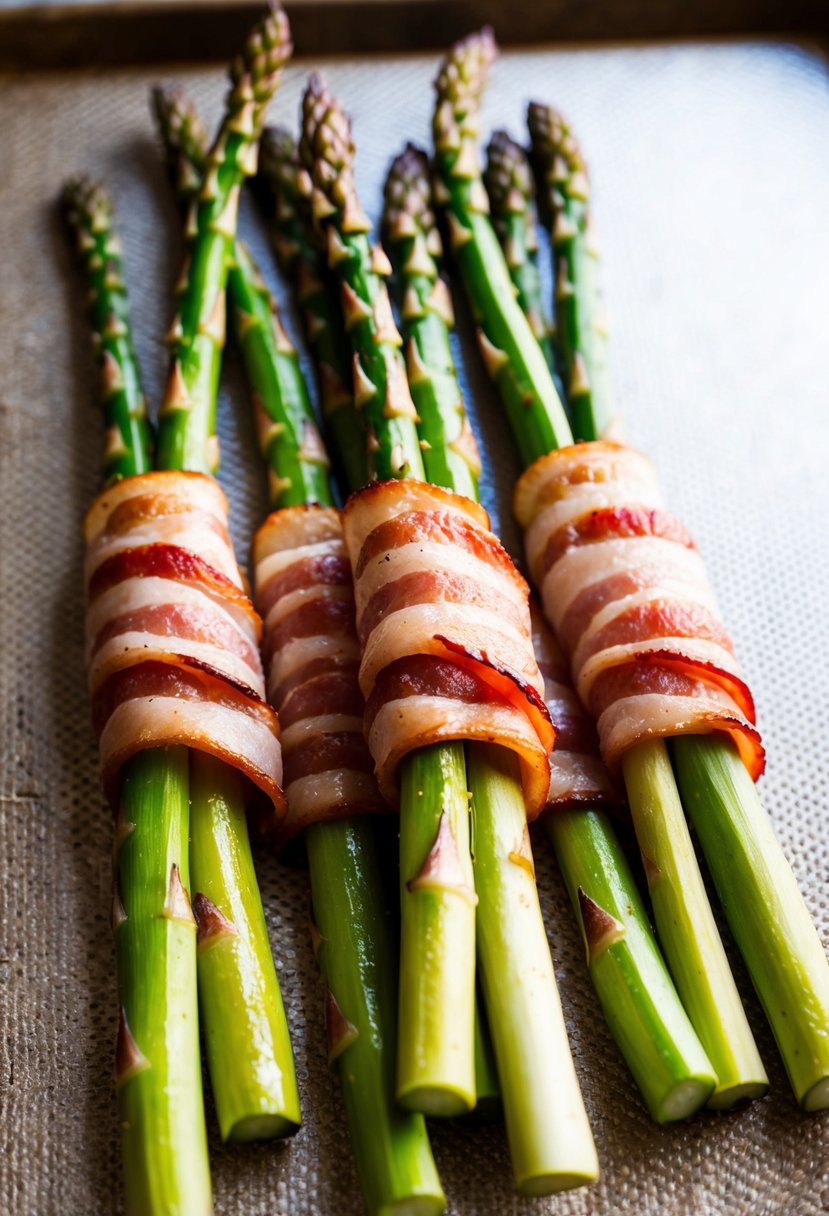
(686, 926)
(763, 906)
(581, 327)
(288, 434)
(550, 1141)
(436, 1061)
(255, 1086)
(303, 262)
(257, 1094)
(509, 184)
(450, 453)
(638, 997)
(539, 426)
(158, 1067)
(391, 1147)
(510, 349)
(186, 436)
(541, 1163)
(89, 213)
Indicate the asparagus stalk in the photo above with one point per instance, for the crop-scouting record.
(302, 260)
(287, 430)
(509, 184)
(540, 424)
(450, 453)
(581, 326)
(158, 1069)
(436, 1062)
(248, 1045)
(517, 977)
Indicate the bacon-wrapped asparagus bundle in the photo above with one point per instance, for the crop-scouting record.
(179, 706)
(683, 916)
(442, 678)
(660, 1045)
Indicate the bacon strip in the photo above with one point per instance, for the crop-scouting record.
(172, 638)
(304, 590)
(577, 773)
(623, 585)
(443, 618)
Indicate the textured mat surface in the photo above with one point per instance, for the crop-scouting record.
(712, 192)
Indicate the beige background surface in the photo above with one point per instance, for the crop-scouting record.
(712, 195)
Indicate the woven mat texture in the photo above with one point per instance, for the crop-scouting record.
(712, 194)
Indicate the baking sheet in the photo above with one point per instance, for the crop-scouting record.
(712, 190)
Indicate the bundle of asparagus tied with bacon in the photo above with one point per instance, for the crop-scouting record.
(626, 591)
(186, 736)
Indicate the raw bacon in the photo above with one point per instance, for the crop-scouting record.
(625, 588)
(444, 624)
(311, 654)
(171, 636)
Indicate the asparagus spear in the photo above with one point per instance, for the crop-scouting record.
(248, 1045)
(539, 426)
(450, 453)
(158, 1069)
(354, 947)
(739, 846)
(287, 430)
(582, 329)
(303, 262)
(436, 1062)
(509, 184)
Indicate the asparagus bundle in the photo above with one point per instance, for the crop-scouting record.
(159, 1076)
(637, 995)
(549, 1137)
(351, 920)
(755, 884)
(683, 917)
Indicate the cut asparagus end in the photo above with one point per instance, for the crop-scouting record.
(684, 1100)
